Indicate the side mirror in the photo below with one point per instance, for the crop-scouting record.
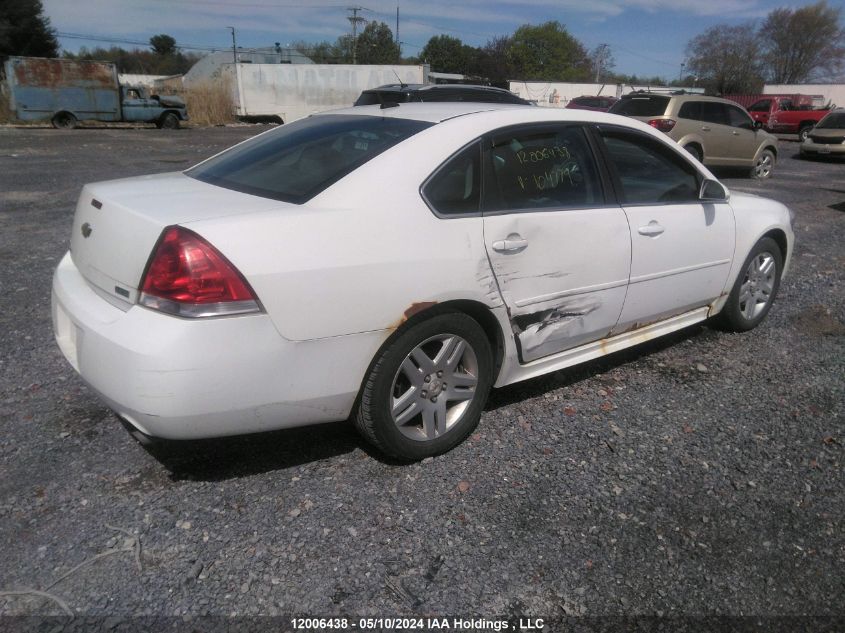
(713, 191)
(758, 125)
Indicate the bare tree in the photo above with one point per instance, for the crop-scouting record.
(802, 43)
(727, 59)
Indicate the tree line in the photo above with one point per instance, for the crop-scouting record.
(790, 46)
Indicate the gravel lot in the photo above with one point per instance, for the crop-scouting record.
(697, 475)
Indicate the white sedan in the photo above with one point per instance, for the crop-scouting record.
(391, 264)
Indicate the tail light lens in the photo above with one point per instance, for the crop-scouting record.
(186, 276)
(664, 125)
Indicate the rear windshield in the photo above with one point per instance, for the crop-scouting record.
(832, 121)
(375, 97)
(646, 105)
(299, 160)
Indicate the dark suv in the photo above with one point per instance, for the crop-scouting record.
(404, 93)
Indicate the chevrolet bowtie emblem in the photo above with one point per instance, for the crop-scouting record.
(86, 229)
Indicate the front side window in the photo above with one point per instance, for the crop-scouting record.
(761, 106)
(738, 118)
(542, 168)
(299, 160)
(649, 172)
(455, 188)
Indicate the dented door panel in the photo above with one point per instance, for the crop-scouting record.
(567, 285)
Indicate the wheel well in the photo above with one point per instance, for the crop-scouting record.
(780, 238)
(475, 310)
(772, 149)
(697, 146)
(806, 124)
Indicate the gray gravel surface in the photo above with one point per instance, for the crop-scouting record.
(699, 474)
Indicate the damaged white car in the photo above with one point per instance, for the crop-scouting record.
(391, 264)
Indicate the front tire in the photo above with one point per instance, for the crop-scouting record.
(804, 132)
(426, 390)
(168, 121)
(764, 165)
(755, 289)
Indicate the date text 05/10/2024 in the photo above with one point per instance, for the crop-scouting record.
(465, 625)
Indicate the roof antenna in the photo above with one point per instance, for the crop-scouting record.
(402, 84)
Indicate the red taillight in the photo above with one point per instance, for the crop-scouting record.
(664, 125)
(187, 276)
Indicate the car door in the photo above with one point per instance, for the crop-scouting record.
(746, 139)
(559, 252)
(716, 132)
(681, 247)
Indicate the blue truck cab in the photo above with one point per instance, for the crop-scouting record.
(65, 91)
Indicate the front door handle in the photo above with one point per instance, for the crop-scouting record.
(513, 244)
(735, 133)
(704, 128)
(652, 229)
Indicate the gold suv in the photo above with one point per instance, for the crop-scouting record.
(715, 131)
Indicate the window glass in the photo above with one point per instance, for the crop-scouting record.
(649, 172)
(646, 105)
(549, 168)
(786, 105)
(690, 110)
(738, 118)
(299, 160)
(713, 112)
(761, 106)
(456, 187)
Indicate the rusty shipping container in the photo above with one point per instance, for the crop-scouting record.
(41, 88)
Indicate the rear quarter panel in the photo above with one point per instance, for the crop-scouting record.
(365, 254)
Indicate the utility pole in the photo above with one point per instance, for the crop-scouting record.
(398, 43)
(234, 45)
(355, 19)
(601, 51)
(681, 74)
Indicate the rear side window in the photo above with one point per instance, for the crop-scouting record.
(375, 97)
(690, 110)
(714, 112)
(455, 188)
(761, 106)
(299, 160)
(647, 105)
(542, 168)
(649, 172)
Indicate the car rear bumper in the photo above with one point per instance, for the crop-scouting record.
(192, 378)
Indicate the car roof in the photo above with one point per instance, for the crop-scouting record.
(435, 87)
(687, 96)
(504, 113)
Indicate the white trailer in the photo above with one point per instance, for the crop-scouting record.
(292, 91)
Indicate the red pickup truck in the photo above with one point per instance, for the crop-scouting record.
(787, 115)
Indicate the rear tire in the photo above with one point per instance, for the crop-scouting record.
(755, 289)
(64, 121)
(694, 151)
(427, 389)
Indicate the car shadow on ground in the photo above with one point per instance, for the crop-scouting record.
(226, 458)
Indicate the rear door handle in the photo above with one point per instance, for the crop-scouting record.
(704, 128)
(513, 244)
(735, 133)
(652, 229)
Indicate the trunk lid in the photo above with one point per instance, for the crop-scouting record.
(118, 223)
